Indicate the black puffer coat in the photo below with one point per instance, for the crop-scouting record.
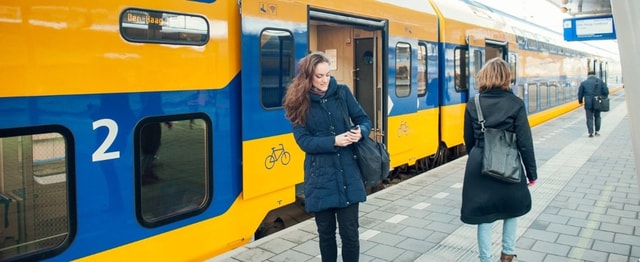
(331, 174)
(587, 90)
(484, 199)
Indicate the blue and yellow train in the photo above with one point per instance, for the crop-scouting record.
(155, 130)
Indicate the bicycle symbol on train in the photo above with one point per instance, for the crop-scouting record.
(277, 153)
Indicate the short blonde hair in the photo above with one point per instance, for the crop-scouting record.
(494, 74)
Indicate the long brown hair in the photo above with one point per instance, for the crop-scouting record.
(296, 101)
(494, 74)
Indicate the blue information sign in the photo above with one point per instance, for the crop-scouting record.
(589, 28)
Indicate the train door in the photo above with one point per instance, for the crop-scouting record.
(368, 90)
(364, 76)
(274, 37)
(354, 46)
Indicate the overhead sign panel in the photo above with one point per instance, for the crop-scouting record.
(589, 28)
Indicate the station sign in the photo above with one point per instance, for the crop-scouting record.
(589, 28)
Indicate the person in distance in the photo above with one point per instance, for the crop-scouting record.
(590, 87)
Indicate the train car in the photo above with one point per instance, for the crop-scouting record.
(546, 70)
(121, 133)
(155, 129)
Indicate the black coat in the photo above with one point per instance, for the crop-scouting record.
(331, 174)
(588, 90)
(485, 199)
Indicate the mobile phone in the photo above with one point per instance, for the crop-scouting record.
(355, 127)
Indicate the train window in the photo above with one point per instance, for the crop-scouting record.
(276, 66)
(520, 92)
(532, 41)
(35, 191)
(461, 70)
(171, 185)
(532, 44)
(544, 46)
(147, 26)
(520, 40)
(544, 95)
(403, 69)
(532, 97)
(422, 69)
(553, 94)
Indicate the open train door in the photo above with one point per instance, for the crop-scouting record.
(274, 37)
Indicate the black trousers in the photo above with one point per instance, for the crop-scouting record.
(347, 219)
(593, 116)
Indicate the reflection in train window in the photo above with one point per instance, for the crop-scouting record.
(403, 69)
(422, 69)
(34, 191)
(172, 174)
(276, 66)
(532, 92)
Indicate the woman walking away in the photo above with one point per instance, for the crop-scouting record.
(485, 199)
(320, 111)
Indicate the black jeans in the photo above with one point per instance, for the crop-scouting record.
(347, 219)
(591, 115)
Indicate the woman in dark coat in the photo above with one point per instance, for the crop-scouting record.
(321, 112)
(484, 199)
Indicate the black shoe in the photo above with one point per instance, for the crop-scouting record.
(590, 135)
(597, 134)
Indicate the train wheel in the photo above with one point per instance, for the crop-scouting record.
(440, 156)
(422, 165)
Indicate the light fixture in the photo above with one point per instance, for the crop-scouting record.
(564, 2)
(564, 9)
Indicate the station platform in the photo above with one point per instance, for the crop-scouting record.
(586, 206)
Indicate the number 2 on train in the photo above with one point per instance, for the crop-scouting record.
(101, 153)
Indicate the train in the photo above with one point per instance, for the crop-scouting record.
(155, 129)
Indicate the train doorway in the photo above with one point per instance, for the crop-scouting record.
(356, 47)
(495, 49)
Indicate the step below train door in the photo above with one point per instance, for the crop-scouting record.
(274, 37)
(353, 44)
